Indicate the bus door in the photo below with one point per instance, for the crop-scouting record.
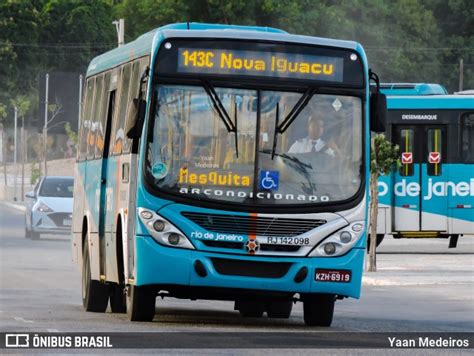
(102, 192)
(434, 200)
(422, 150)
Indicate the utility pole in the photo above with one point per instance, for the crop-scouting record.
(45, 128)
(23, 156)
(120, 27)
(14, 153)
(461, 74)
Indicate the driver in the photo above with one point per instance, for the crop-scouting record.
(313, 142)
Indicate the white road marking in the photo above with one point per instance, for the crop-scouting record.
(16, 206)
(23, 320)
(52, 330)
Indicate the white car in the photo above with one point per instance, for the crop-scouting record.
(49, 207)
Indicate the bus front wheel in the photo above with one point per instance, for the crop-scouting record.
(95, 295)
(140, 303)
(318, 309)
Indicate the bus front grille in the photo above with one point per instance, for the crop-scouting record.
(240, 246)
(253, 225)
(257, 269)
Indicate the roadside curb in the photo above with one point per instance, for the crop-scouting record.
(15, 206)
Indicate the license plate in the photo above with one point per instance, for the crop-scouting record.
(329, 275)
(67, 222)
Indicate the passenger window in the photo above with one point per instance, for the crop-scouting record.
(101, 120)
(119, 131)
(434, 150)
(86, 119)
(467, 138)
(133, 93)
(406, 148)
(95, 118)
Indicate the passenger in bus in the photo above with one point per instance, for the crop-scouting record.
(313, 142)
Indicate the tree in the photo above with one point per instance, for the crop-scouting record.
(384, 156)
(22, 104)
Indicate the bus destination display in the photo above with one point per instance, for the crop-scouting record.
(255, 63)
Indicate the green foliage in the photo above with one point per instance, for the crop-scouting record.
(70, 133)
(384, 156)
(405, 40)
(3, 112)
(22, 103)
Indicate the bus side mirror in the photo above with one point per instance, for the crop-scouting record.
(135, 118)
(378, 111)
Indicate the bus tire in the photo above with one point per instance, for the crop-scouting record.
(250, 309)
(140, 303)
(318, 309)
(279, 309)
(118, 299)
(95, 295)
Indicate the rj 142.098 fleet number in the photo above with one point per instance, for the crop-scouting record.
(288, 240)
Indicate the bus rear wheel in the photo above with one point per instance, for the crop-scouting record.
(379, 240)
(279, 309)
(118, 300)
(318, 309)
(140, 303)
(95, 295)
(249, 309)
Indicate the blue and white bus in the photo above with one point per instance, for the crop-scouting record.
(402, 89)
(432, 194)
(225, 163)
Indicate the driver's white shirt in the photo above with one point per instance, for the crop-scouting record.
(305, 145)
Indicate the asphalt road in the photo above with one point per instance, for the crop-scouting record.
(420, 286)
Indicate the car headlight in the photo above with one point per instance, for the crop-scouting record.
(162, 230)
(44, 208)
(339, 242)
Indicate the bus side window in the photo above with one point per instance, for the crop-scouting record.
(101, 119)
(467, 138)
(119, 136)
(133, 93)
(407, 137)
(94, 117)
(86, 119)
(435, 151)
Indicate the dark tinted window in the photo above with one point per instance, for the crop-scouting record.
(435, 151)
(406, 143)
(57, 187)
(467, 138)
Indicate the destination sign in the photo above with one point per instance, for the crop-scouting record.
(260, 63)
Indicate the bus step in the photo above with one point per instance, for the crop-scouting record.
(418, 234)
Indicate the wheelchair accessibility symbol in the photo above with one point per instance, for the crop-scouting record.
(269, 180)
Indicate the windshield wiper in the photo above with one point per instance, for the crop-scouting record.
(299, 106)
(222, 112)
(295, 111)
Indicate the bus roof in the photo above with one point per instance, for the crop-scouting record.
(431, 102)
(412, 89)
(143, 45)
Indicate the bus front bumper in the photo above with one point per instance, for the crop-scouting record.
(160, 265)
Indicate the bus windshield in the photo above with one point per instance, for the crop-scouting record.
(314, 159)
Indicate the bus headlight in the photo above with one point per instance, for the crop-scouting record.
(339, 242)
(164, 232)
